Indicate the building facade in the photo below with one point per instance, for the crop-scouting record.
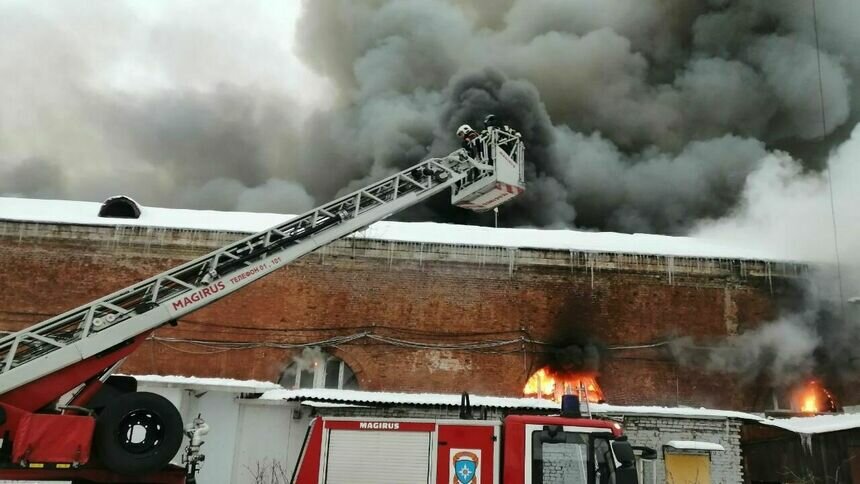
(403, 315)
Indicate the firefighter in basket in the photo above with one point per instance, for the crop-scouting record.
(472, 142)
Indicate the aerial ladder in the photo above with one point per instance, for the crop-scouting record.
(59, 402)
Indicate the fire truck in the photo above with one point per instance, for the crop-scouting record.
(520, 449)
(65, 416)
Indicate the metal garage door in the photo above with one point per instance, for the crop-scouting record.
(368, 457)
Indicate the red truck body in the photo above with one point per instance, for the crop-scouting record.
(517, 450)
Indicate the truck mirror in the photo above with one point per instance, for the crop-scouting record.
(623, 452)
(625, 473)
(647, 453)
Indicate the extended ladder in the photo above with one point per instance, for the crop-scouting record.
(83, 332)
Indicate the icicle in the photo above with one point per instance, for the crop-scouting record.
(591, 264)
(806, 442)
(769, 276)
(670, 269)
(147, 240)
(116, 233)
(390, 254)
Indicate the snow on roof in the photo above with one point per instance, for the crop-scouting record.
(333, 397)
(694, 445)
(392, 398)
(222, 384)
(86, 213)
(691, 412)
(353, 397)
(818, 424)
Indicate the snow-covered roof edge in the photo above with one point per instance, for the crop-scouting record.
(86, 213)
(273, 391)
(354, 397)
(223, 384)
(695, 445)
(818, 424)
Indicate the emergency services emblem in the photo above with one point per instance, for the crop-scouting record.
(465, 467)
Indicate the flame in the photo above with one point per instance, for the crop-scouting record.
(813, 398)
(544, 384)
(810, 403)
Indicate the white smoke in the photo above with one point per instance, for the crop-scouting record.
(789, 212)
(304, 364)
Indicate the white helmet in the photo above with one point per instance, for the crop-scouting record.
(463, 130)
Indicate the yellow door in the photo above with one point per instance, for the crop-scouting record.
(688, 469)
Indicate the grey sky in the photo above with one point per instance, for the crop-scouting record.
(640, 115)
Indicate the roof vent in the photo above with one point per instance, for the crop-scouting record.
(119, 207)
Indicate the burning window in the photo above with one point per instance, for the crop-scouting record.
(551, 386)
(813, 397)
(317, 369)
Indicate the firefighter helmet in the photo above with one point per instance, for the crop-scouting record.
(463, 130)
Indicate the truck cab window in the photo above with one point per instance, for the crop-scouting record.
(559, 457)
(604, 461)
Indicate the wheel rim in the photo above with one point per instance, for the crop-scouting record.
(140, 431)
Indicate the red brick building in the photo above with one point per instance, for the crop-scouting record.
(471, 314)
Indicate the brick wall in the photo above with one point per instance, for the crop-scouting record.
(420, 293)
(563, 463)
(656, 432)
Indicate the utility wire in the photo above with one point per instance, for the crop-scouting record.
(370, 326)
(207, 346)
(827, 165)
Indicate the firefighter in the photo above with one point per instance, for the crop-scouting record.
(510, 146)
(490, 121)
(471, 140)
(488, 135)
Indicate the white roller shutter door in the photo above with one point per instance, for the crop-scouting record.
(368, 457)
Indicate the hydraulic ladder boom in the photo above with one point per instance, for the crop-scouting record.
(103, 325)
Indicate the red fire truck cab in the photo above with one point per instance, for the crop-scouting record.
(517, 450)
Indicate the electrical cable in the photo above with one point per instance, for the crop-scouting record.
(372, 326)
(827, 165)
(368, 338)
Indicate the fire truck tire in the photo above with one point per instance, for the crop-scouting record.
(137, 433)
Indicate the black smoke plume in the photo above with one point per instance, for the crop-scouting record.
(638, 115)
(574, 359)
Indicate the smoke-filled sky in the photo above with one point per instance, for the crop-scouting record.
(663, 116)
(639, 115)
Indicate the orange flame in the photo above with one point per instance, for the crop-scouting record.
(810, 403)
(814, 398)
(544, 384)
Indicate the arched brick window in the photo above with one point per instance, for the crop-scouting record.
(317, 369)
